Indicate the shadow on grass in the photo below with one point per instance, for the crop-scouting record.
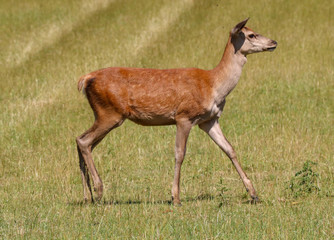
(252, 202)
(202, 197)
(119, 202)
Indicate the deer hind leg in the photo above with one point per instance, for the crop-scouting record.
(87, 189)
(182, 133)
(212, 128)
(85, 144)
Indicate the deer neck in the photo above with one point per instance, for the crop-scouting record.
(227, 73)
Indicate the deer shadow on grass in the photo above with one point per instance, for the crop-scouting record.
(200, 197)
(130, 202)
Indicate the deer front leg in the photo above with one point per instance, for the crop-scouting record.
(212, 128)
(182, 133)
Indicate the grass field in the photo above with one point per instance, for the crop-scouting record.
(279, 117)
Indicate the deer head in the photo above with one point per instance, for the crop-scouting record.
(247, 41)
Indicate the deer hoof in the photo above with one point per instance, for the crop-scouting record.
(99, 192)
(176, 202)
(255, 200)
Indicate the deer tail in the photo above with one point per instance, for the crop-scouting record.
(83, 82)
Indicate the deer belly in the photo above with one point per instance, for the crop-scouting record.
(153, 122)
(151, 118)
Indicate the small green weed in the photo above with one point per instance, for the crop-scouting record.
(305, 181)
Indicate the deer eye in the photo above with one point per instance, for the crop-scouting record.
(251, 35)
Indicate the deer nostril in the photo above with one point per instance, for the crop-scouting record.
(274, 42)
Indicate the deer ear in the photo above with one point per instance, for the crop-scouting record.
(238, 27)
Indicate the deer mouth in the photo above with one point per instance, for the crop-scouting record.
(270, 49)
(274, 45)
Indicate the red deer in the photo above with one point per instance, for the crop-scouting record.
(183, 97)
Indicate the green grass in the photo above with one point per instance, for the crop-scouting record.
(280, 116)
